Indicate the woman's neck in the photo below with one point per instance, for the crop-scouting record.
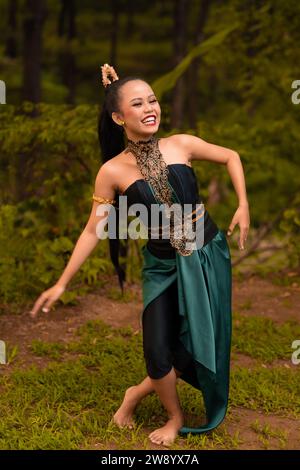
(142, 141)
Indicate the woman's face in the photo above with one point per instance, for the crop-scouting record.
(138, 103)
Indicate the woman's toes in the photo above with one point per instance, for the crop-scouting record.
(166, 434)
(122, 423)
(155, 438)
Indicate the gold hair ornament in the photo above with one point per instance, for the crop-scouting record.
(108, 70)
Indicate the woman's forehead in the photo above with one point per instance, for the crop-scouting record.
(137, 89)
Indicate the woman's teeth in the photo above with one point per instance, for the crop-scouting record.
(149, 122)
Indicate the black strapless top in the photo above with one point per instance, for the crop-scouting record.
(184, 181)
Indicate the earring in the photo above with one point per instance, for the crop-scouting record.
(122, 123)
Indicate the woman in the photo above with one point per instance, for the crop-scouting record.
(186, 318)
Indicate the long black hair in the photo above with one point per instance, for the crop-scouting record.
(112, 142)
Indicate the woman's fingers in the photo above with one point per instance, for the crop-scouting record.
(38, 305)
(243, 234)
(243, 237)
(46, 299)
(231, 227)
(234, 221)
(242, 218)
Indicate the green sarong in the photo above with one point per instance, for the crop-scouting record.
(204, 281)
(204, 295)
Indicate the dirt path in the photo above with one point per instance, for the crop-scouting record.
(252, 297)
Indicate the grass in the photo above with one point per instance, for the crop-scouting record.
(69, 403)
(275, 390)
(114, 293)
(262, 338)
(11, 353)
(52, 350)
(266, 432)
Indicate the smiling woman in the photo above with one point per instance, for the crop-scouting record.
(177, 340)
(186, 316)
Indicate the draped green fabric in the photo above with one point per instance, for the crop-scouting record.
(204, 281)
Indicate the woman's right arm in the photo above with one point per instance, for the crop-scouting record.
(105, 187)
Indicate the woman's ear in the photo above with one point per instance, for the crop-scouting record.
(117, 118)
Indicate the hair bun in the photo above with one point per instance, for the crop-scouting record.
(108, 70)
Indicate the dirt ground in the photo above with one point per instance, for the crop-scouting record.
(254, 296)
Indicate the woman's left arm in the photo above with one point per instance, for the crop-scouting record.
(198, 149)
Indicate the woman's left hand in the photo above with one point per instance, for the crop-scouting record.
(242, 218)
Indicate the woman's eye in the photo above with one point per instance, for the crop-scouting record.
(138, 104)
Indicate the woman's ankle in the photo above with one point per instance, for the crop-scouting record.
(178, 416)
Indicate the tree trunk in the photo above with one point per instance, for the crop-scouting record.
(214, 192)
(67, 26)
(35, 14)
(129, 18)
(67, 14)
(194, 68)
(179, 46)
(11, 43)
(249, 36)
(114, 31)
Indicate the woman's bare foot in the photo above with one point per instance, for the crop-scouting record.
(166, 434)
(123, 416)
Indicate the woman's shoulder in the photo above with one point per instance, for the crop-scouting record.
(116, 167)
(180, 139)
(118, 163)
(176, 145)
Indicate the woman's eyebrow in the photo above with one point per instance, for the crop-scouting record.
(141, 98)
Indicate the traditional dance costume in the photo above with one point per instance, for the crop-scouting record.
(186, 318)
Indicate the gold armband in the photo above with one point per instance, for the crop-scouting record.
(103, 200)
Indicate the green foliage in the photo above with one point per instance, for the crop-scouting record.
(168, 81)
(47, 171)
(30, 264)
(12, 352)
(248, 61)
(290, 225)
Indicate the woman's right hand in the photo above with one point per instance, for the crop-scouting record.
(47, 299)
